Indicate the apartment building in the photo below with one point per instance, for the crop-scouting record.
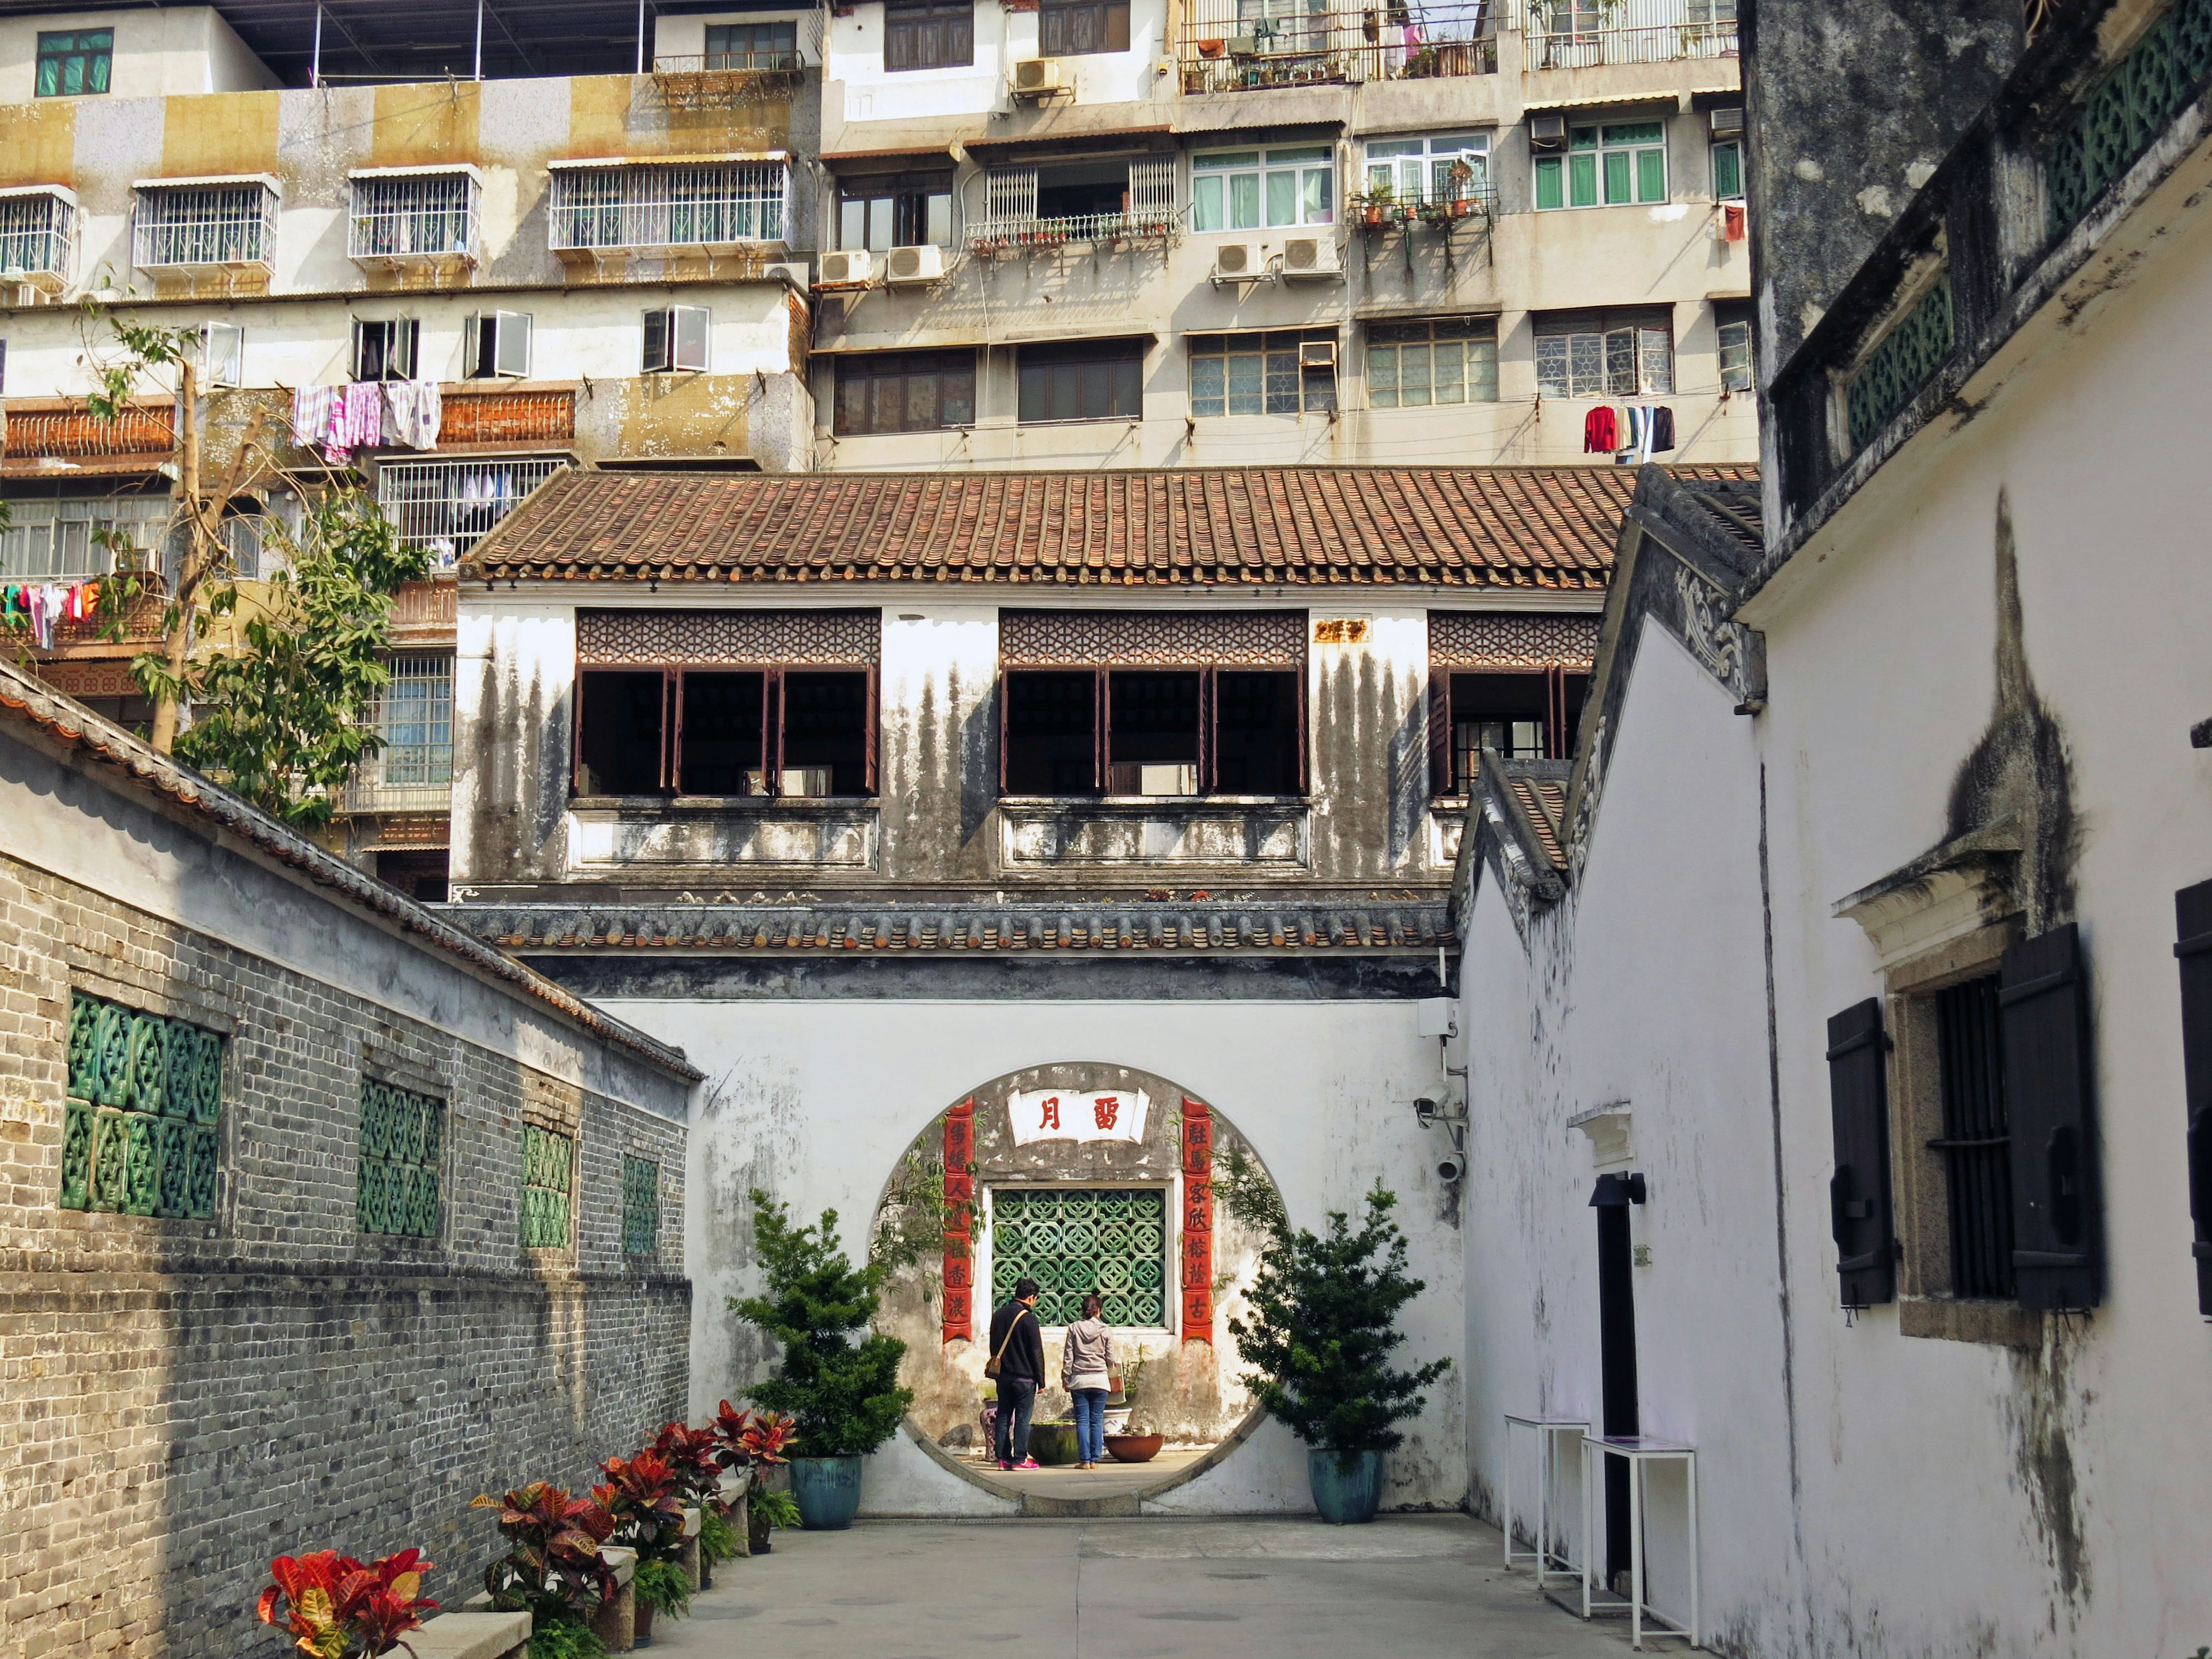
(591, 269)
(1077, 233)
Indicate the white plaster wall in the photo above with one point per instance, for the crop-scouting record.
(513, 673)
(814, 1100)
(686, 37)
(159, 50)
(865, 91)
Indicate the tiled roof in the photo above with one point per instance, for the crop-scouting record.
(1525, 527)
(1543, 801)
(1734, 508)
(26, 701)
(1276, 926)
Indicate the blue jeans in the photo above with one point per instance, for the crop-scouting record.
(1090, 1424)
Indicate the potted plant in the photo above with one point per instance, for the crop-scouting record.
(841, 1388)
(1324, 1320)
(751, 1444)
(1136, 1442)
(1377, 205)
(555, 1571)
(694, 1460)
(771, 1512)
(332, 1606)
(640, 1494)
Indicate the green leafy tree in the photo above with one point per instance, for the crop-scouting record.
(284, 720)
(844, 1393)
(1324, 1321)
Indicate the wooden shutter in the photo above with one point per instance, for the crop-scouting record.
(869, 738)
(2193, 911)
(1440, 731)
(2042, 999)
(1858, 1193)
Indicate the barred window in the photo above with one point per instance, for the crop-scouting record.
(1441, 360)
(905, 392)
(547, 1160)
(401, 1135)
(220, 224)
(1284, 372)
(446, 507)
(1107, 1242)
(1605, 353)
(928, 34)
(398, 215)
(668, 205)
(641, 1207)
(142, 1133)
(415, 717)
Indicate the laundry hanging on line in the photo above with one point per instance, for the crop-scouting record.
(340, 419)
(1629, 432)
(41, 605)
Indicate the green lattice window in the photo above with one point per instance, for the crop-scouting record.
(401, 1135)
(145, 1106)
(1074, 1240)
(1905, 362)
(547, 1160)
(641, 1206)
(2130, 106)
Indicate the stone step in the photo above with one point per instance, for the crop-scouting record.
(472, 1636)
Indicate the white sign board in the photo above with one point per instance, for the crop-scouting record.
(1067, 1115)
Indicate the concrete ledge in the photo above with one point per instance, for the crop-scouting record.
(1105, 1507)
(472, 1636)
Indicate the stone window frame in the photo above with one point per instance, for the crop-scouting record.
(1171, 1185)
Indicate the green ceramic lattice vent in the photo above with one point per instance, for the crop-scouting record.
(401, 1135)
(641, 1206)
(1073, 1241)
(1903, 363)
(546, 1159)
(145, 1101)
(2130, 108)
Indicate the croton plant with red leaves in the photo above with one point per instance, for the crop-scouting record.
(693, 1457)
(640, 1494)
(333, 1607)
(555, 1563)
(745, 1439)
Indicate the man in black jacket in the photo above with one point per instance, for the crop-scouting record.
(1018, 1342)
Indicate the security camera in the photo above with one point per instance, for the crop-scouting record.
(1425, 1109)
(1451, 1167)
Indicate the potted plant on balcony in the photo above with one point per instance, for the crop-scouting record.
(840, 1386)
(555, 1571)
(1376, 207)
(1324, 1320)
(1462, 184)
(332, 1604)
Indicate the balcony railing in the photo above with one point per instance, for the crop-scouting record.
(203, 225)
(1586, 34)
(37, 236)
(722, 62)
(668, 207)
(1229, 45)
(1012, 235)
(445, 507)
(1468, 203)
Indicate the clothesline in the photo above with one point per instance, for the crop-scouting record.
(362, 414)
(41, 605)
(1628, 432)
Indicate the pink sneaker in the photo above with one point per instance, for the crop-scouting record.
(1029, 1464)
(1006, 1466)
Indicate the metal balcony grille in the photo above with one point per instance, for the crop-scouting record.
(203, 226)
(1227, 45)
(1012, 220)
(414, 771)
(446, 507)
(410, 216)
(1584, 33)
(669, 207)
(38, 237)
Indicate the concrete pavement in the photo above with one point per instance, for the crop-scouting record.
(1408, 1586)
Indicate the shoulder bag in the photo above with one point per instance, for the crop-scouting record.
(991, 1365)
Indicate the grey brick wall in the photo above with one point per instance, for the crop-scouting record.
(180, 1401)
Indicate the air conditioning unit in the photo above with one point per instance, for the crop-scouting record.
(1310, 256)
(849, 269)
(1238, 262)
(912, 267)
(1547, 131)
(1316, 354)
(1036, 77)
(1727, 123)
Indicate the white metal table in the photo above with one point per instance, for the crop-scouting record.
(1637, 1451)
(1548, 1431)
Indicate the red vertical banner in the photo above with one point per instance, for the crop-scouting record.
(959, 1223)
(1197, 1222)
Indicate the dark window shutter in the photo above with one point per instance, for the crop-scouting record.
(2193, 911)
(1440, 732)
(1858, 1193)
(2043, 997)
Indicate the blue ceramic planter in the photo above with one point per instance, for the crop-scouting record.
(827, 1491)
(1349, 1493)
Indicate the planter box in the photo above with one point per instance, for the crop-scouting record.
(472, 1636)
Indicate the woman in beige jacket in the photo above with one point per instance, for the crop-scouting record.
(1085, 1366)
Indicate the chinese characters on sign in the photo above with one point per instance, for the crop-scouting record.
(1038, 1115)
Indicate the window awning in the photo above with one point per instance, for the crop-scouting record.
(268, 183)
(62, 191)
(572, 163)
(435, 170)
(1671, 101)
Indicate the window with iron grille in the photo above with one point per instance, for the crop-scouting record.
(413, 214)
(75, 63)
(446, 507)
(548, 1165)
(402, 1134)
(1524, 716)
(668, 205)
(37, 231)
(1435, 360)
(1605, 353)
(905, 392)
(1069, 28)
(1082, 380)
(641, 1207)
(201, 225)
(928, 34)
(142, 1131)
(1976, 1142)
(773, 45)
(414, 715)
(1076, 1242)
(1278, 372)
